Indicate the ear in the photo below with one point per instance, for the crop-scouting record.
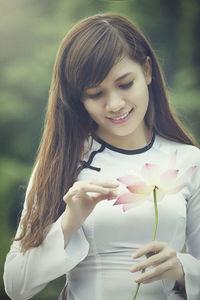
(148, 70)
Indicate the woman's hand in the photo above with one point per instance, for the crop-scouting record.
(81, 199)
(164, 263)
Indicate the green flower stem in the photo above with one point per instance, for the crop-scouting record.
(136, 290)
(154, 233)
(156, 213)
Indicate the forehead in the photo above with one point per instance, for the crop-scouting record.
(125, 66)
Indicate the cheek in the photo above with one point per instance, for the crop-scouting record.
(88, 106)
(141, 98)
(93, 110)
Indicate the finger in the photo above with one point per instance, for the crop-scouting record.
(100, 197)
(154, 260)
(156, 273)
(95, 185)
(104, 183)
(83, 188)
(151, 247)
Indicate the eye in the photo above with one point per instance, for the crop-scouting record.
(94, 96)
(127, 85)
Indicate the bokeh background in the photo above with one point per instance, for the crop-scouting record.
(30, 34)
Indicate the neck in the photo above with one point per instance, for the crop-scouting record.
(136, 140)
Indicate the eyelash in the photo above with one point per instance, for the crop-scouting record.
(127, 85)
(122, 86)
(93, 96)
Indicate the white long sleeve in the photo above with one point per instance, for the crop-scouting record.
(26, 275)
(191, 260)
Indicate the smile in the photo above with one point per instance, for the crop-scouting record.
(121, 119)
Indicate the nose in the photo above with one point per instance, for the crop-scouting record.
(114, 102)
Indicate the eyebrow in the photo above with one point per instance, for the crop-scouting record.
(123, 76)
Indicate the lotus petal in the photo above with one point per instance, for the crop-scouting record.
(127, 198)
(168, 177)
(172, 161)
(126, 207)
(175, 189)
(185, 175)
(159, 195)
(150, 173)
(128, 179)
(140, 188)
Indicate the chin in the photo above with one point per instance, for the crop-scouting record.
(123, 134)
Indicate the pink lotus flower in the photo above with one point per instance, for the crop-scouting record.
(141, 187)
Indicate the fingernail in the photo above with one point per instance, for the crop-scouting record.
(111, 198)
(114, 183)
(135, 254)
(132, 270)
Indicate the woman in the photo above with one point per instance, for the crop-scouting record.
(108, 113)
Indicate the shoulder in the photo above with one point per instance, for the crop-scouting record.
(187, 161)
(187, 154)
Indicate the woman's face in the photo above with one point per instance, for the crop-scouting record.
(118, 105)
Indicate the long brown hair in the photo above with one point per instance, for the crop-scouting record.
(85, 57)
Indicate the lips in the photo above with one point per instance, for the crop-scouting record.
(121, 118)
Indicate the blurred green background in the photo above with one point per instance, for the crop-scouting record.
(30, 34)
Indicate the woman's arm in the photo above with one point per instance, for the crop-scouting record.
(63, 248)
(27, 274)
(190, 261)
